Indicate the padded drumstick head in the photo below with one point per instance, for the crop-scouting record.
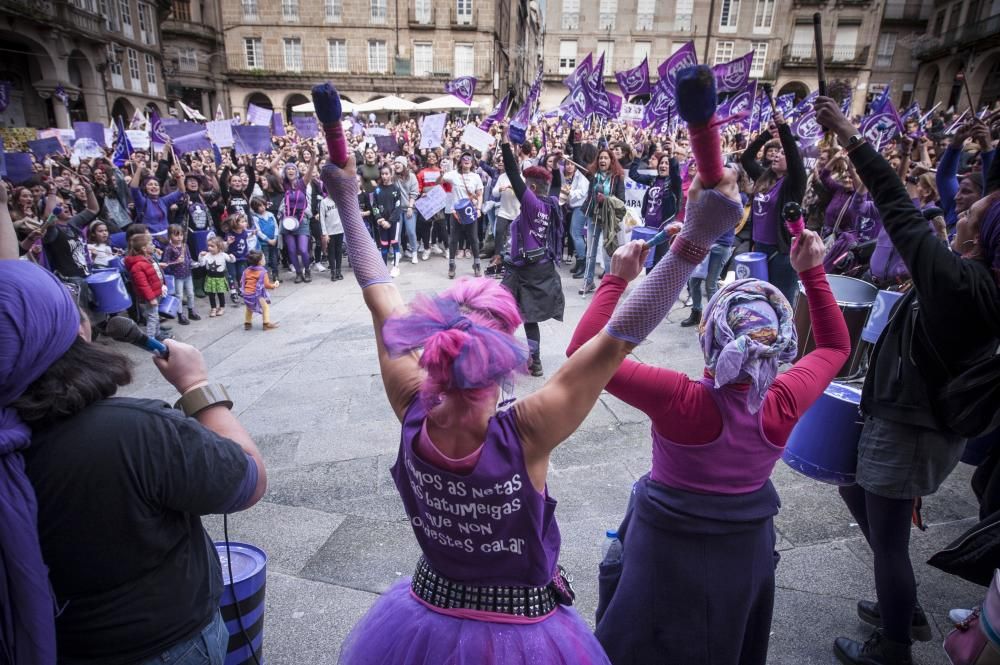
(696, 97)
(326, 102)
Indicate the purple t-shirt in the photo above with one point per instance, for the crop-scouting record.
(766, 216)
(653, 214)
(537, 213)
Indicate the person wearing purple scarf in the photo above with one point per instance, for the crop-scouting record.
(950, 321)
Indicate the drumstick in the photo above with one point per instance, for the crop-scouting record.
(820, 64)
(968, 94)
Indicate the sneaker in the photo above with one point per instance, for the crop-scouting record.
(920, 629)
(535, 367)
(214, 313)
(247, 326)
(298, 278)
(407, 253)
(426, 255)
(436, 250)
(319, 267)
(181, 319)
(269, 325)
(394, 272)
(587, 289)
(414, 260)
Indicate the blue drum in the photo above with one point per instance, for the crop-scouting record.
(168, 281)
(169, 305)
(879, 317)
(645, 233)
(751, 265)
(242, 602)
(108, 290)
(466, 211)
(200, 241)
(824, 443)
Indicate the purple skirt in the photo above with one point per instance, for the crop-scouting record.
(399, 629)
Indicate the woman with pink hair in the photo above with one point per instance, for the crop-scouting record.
(472, 478)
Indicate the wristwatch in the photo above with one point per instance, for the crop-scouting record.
(203, 397)
(854, 142)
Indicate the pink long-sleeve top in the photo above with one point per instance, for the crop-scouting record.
(689, 412)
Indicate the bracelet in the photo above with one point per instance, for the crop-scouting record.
(855, 146)
(688, 251)
(198, 399)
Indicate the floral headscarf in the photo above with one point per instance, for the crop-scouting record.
(747, 332)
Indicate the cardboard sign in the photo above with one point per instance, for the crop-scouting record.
(477, 139)
(431, 202)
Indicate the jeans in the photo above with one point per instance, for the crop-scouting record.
(717, 258)
(594, 244)
(236, 270)
(184, 290)
(780, 271)
(206, 648)
(152, 314)
(500, 235)
(410, 227)
(271, 253)
(577, 223)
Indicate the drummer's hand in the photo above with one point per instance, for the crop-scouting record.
(629, 259)
(807, 251)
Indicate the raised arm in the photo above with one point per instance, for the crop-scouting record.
(748, 160)
(513, 171)
(642, 179)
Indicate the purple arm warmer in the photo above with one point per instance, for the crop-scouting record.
(368, 264)
(706, 219)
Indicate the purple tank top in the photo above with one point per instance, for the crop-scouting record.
(487, 527)
(537, 213)
(766, 216)
(740, 460)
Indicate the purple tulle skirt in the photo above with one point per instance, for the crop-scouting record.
(399, 630)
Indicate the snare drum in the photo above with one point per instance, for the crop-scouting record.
(824, 443)
(290, 224)
(855, 299)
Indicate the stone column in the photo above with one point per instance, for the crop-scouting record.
(206, 105)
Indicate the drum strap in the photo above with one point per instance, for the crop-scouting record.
(830, 239)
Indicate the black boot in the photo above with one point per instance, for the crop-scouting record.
(579, 268)
(193, 315)
(877, 650)
(308, 276)
(298, 278)
(451, 270)
(181, 319)
(693, 319)
(535, 367)
(920, 630)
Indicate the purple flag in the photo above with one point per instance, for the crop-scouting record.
(912, 111)
(464, 88)
(523, 116)
(61, 94)
(581, 72)
(882, 126)
(634, 81)
(785, 103)
(123, 147)
(805, 125)
(306, 128)
(734, 75)
(739, 105)
(879, 105)
(277, 124)
(158, 137)
(259, 116)
(192, 142)
(498, 114)
(90, 130)
(661, 105)
(19, 167)
(182, 129)
(42, 148)
(252, 139)
(4, 95)
(685, 56)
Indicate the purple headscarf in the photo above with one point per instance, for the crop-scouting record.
(989, 238)
(38, 323)
(747, 332)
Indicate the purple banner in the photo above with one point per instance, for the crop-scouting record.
(883, 126)
(739, 105)
(42, 148)
(252, 139)
(20, 167)
(464, 88)
(498, 114)
(635, 81)
(192, 142)
(306, 128)
(158, 137)
(90, 130)
(805, 125)
(277, 124)
(734, 75)
(686, 56)
(182, 129)
(581, 72)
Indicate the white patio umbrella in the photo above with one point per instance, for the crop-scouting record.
(446, 103)
(309, 108)
(390, 103)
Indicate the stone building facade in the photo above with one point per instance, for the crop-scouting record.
(193, 55)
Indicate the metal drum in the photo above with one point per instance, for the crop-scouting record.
(242, 602)
(879, 318)
(645, 233)
(108, 290)
(855, 299)
(751, 264)
(824, 443)
(169, 305)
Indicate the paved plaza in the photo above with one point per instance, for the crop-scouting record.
(335, 532)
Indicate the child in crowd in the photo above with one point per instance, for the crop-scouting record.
(176, 261)
(215, 262)
(147, 280)
(100, 251)
(238, 246)
(333, 231)
(253, 286)
(267, 235)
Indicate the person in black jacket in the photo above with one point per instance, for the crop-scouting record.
(783, 181)
(905, 451)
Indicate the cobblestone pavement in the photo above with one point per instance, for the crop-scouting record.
(335, 531)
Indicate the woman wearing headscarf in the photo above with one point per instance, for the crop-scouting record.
(491, 593)
(948, 322)
(695, 580)
(102, 551)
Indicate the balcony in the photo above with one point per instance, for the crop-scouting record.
(423, 19)
(38, 9)
(172, 26)
(803, 55)
(808, 3)
(464, 21)
(904, 12)
(318, 66)
(960, 38)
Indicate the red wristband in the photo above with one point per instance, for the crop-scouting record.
(688, 251)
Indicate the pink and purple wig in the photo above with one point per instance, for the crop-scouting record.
(467, 337)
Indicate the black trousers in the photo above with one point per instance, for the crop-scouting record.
(463, 232)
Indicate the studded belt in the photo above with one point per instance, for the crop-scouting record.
(526, 601)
